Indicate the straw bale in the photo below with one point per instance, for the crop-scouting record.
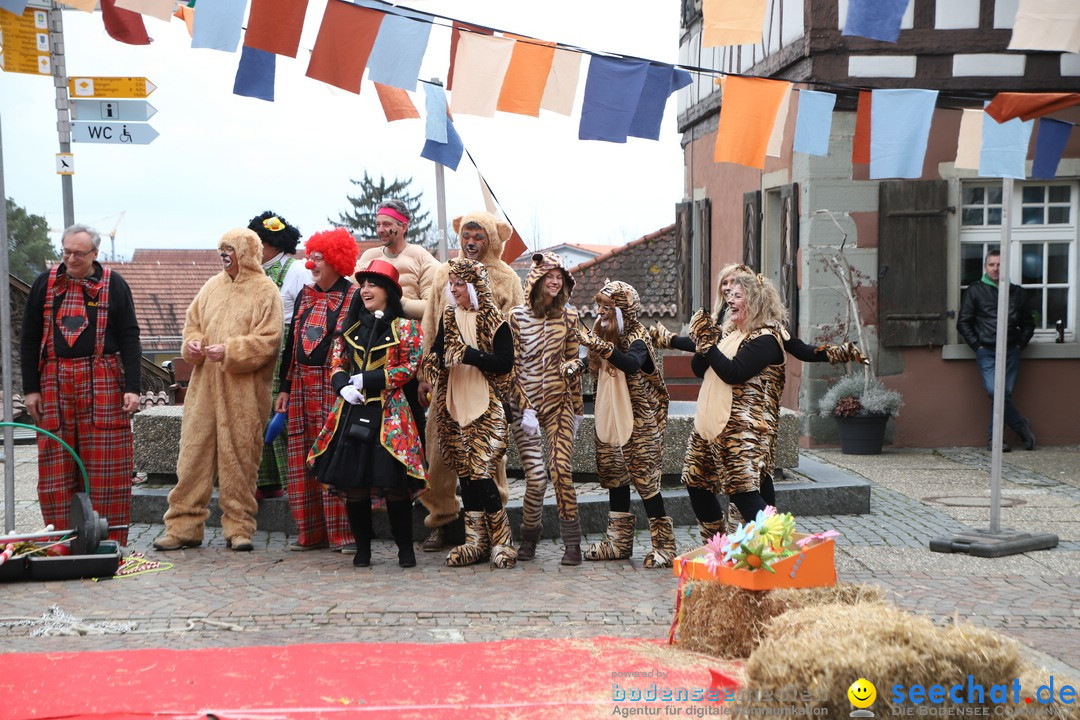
(728, 621)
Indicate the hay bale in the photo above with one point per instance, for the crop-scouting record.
(1032, 678)
(822, 650)
(728, 621)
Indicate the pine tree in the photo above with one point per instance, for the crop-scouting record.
(28, 245)
(360, 218)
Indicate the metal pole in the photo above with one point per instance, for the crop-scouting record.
(63, 120)
(5, 359)
(440, 203)
(999, 355)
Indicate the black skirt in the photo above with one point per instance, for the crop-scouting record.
(351, 465)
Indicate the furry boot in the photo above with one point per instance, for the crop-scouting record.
(571, 537)
(503, 554)
(529, 538)
(359, 513)
(708, 529)
(734, 517)
(477, 547)
(618, 544)
(662, 530)
(399, 513)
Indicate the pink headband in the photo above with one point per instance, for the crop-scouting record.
(391, 212)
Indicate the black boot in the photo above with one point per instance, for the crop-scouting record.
(399, 513)
(359, 513)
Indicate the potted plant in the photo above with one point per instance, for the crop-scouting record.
(858, 401)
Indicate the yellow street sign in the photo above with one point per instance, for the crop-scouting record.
(109, 87)
(24, 42)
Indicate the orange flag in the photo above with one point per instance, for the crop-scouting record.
(513, 248)
(748, 109)
(187, 14)
(396, 103)
(525, 79)
(1008, 105)
(860, 145)
(732, 22)
(275, 25)
(343, 45)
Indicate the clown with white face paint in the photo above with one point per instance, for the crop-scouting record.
(631, 415)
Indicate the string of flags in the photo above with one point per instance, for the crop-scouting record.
(493, 71)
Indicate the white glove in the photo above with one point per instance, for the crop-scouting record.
(352, 395)
(577, 423)
(357, 381)
(529, 423)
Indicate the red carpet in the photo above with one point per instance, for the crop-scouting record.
(507, 679)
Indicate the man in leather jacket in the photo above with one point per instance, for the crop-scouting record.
(977, 325)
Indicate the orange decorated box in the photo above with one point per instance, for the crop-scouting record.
(813, 566)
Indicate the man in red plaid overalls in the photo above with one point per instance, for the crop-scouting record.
(80, 365)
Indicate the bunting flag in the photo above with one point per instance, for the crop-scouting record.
(1028, 106)
(398, 52)
(747, 114)
(1049, 147)
(86, 5)
(860, 144)
(562, 82)
(479, 69)
(732, 22)
(435, 112)
(485, 191)
(187, 14)
(612, 91)
(526, 77)
(514, 247)
(459, 29)
(396, 103)
(899, 129)
(218, 24)
(660, 82)
(275, 25)
(160, 9)
(969, 139)
(123, 25)
(345, 39)
(875, 19)
(15, 7)
(255, 74)
(776, 138)
(448, 153)
(1047, 25)
(813, 124)
(1004, 148)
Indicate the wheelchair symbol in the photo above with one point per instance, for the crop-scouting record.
(125, 136)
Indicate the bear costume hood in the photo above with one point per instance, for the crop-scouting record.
(248, 248)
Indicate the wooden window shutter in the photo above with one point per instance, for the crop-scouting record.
(684, 250)
(752, 230)
(912, 262)
(789, 254)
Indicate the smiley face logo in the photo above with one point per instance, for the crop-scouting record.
(862, 693)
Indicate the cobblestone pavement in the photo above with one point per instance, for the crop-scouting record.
(213, 597)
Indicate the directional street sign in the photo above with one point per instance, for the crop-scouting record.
(112, 110)
(24, 42)
(109, 87)
(117, 133)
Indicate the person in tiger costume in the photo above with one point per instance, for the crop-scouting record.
(469, 366)
(545, 337)
(665, 339)
(482, 237)
(631, 415)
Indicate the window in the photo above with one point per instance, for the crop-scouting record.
(1043, 254)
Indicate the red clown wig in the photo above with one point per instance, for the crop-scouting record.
(338, 249)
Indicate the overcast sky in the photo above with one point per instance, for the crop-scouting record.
(221, 158)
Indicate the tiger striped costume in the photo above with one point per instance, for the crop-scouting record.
(542, 343)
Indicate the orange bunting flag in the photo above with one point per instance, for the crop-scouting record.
(515, 247)
(274, 26)
(1008, 105)
(396, 103)
(187, 14)
(478, 73)
(562, 82)
(860, 145)
(525, 80)
(455, 37)
(86, 5)
(748, 110)
(343, 45)
(732, 22)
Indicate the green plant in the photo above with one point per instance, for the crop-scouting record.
(853, 395)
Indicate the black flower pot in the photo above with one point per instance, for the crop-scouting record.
(862, 434)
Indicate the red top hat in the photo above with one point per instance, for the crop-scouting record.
(381, 268)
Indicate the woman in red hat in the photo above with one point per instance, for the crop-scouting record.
(369, 445)
(319, 315)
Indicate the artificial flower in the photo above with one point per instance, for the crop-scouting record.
(816, 538)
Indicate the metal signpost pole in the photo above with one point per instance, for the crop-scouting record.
(440, 203)
(63, 121)
(5, 359)
(1000, 348)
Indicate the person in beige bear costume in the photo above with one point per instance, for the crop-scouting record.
(231, 335)
(482, 237)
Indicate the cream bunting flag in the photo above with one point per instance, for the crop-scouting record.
(776, 139)
(1047, 25)
(969, 139)
(160, 9)
(562, 82)
(479, 68)
(732, 22)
